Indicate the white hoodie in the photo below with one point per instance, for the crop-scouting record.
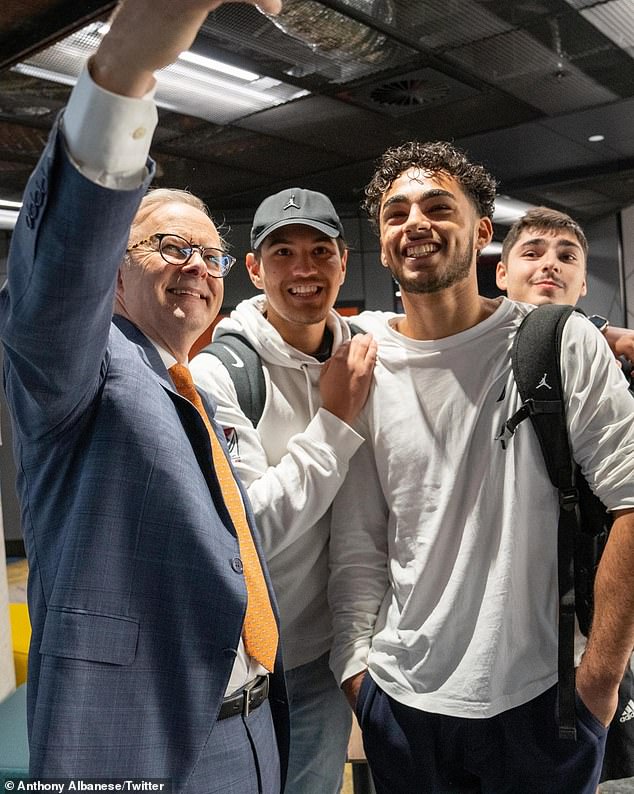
(292, 465)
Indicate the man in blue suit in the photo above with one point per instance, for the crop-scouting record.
(138, 571)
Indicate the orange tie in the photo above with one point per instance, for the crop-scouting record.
(260, 629)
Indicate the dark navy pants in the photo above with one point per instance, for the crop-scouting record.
(516, 752)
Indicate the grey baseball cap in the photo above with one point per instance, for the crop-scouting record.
(295, 205)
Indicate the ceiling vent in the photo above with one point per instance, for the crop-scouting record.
(410, 92)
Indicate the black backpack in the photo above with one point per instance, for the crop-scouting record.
(584, 522)
(244, 366)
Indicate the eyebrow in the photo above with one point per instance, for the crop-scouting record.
(560, 243)
(401, 198)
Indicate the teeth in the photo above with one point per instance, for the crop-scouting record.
(186, 292)
(312, 290)
(422, 250)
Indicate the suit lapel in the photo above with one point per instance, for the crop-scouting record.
(190, 419)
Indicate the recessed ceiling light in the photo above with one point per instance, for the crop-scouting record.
(596, 138)
(195, 84)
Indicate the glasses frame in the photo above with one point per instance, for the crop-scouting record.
(160, 236)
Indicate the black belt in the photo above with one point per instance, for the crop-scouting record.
(247, 700)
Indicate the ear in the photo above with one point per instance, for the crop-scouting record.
(485, 233)
(383, 258)
(584, 289)
(501, 275)
(253, 266)
(344, 265)
(120, 287)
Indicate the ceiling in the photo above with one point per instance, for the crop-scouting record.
(520, 85)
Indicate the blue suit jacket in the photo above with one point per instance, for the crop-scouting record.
(135, 594)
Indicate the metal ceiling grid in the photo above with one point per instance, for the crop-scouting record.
(442, 24)
(615, 19)
(311, 63)
(515, 61)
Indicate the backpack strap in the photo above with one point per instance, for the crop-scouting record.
(354, 328)
(244, 366)
(535, 358)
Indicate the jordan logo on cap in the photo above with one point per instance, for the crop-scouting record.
(291, 203)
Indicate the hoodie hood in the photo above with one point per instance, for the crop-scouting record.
(248, 320)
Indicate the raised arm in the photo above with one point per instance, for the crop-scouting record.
(72, 233)
(147, 35)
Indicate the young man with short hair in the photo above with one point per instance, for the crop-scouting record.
(317, 379)
(443, 575)
(544, 260)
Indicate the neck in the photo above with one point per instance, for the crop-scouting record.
(305, 338)
(442, 314)
(177, 345)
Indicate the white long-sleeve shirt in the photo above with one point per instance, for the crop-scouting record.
(444, 571)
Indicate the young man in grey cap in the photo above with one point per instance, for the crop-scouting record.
(296, 457)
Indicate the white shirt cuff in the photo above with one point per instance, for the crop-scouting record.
(108, 136)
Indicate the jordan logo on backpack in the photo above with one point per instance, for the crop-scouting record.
(542, 384)
(628, 713)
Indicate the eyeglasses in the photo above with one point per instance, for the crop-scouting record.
(176, 250)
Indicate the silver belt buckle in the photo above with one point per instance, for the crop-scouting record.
(246, 693)
(246, 704)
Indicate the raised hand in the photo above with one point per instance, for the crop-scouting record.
(146, 35)
(346, 377)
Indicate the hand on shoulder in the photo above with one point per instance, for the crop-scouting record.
(346, 377)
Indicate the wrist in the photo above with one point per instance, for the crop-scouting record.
(600, 323)
(122, 83)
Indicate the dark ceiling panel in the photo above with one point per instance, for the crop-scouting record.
(257, 154)
(27, 27)
(585, 198)
(615, 122)
(524, 68)
(27, 100)
(518, 153)
(439, 25)
(207, 180)
(324, 123)
(520, 84)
